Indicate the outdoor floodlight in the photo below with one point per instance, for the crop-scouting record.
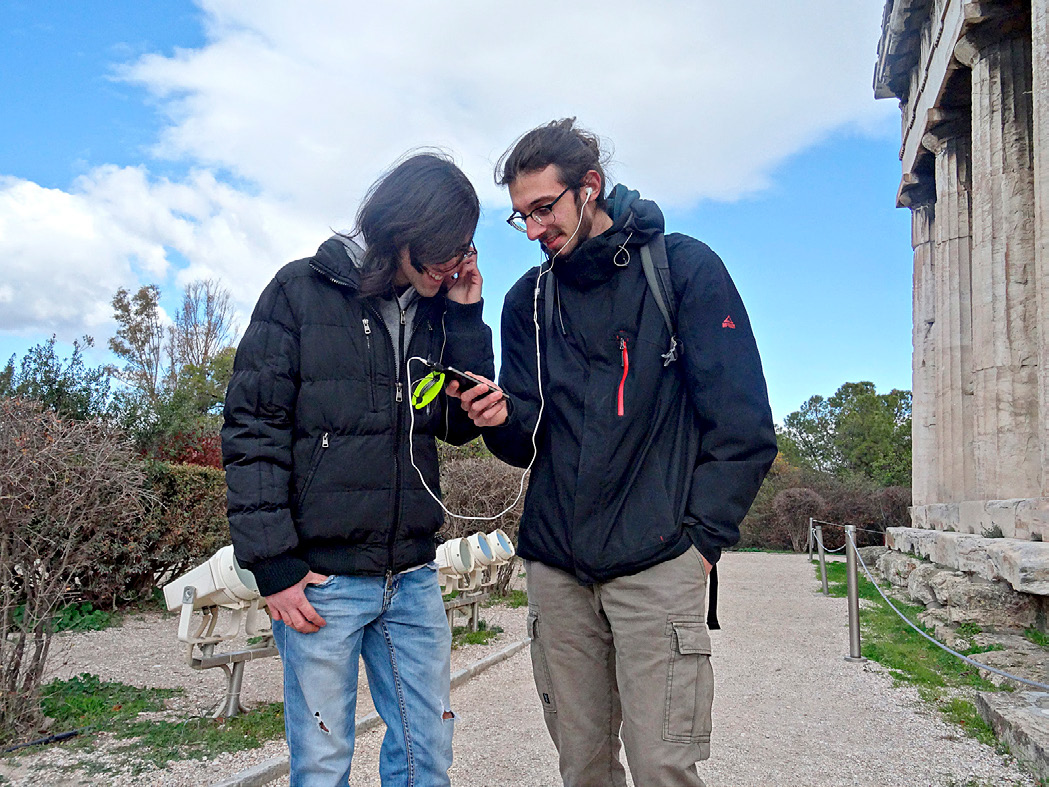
(490, 552)
(501, 546)
(221, 584)
(455, 557)
(218, 582)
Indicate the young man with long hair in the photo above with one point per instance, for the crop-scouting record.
(327, 502)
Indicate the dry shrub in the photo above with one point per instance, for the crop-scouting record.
(849, 500)
(184, 523)
(67, 489)
(475, 483)
(792, 509)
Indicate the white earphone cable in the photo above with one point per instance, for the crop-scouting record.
(539, 383)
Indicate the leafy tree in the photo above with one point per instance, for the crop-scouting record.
(807, 437)
(857, 431)
(873, 432)
(140, 339)
(68, 387)
(177, 375)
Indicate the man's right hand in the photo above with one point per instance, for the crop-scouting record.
(484, 408)
(291, 606)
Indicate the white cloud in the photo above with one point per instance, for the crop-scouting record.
(305, 103)
(701, 98)
(66, 253)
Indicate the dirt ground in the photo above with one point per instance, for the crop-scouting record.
(143, 651)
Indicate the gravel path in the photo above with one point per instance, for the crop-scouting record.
(789, 710)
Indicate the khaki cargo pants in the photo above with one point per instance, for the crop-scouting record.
(625, 658)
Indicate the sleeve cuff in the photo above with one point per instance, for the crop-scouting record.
(278, 573)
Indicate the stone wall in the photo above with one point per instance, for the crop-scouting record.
(973, 84)
(982, 594)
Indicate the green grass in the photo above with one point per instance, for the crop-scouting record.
(513, 598)
(910, 658)
(1039, 638)
(963, 713)
(159, 742)
(81, 616)
(86, 702)
(886, 639)
(461, 635)
(968, 629)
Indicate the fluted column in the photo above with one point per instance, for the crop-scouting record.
(952, 249)
(1007, 448)
(1040, 65)
(925, 475)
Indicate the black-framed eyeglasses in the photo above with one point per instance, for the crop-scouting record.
(461, 256)
(519, 221)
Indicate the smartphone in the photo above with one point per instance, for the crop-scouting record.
(466, 381)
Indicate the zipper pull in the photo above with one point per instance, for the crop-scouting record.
(620, 407)
(400, 394)
(402, 317)
(367, 326)
(324, 440)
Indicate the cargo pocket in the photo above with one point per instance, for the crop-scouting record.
(690, 685)
(540, 669)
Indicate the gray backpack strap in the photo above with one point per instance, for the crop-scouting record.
(550, 295)
(548, 300)
(657, 271)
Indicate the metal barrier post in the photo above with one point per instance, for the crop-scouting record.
(823, 559)
(852, 583)
(810, 539)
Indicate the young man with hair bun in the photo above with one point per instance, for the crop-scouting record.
(653, 434)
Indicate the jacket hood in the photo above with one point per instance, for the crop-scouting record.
(632, 216)
(635, 222)
(340, 259)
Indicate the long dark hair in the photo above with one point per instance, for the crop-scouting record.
(574, 151)
(425, 204)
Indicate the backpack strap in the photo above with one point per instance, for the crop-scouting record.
(549, 296)
(657, 271)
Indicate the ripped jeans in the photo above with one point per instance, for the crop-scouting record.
(401, 630)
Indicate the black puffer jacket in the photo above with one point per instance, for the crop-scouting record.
(315, 441)
(618, 488)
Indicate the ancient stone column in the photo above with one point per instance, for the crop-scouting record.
(1040, 67)
(1007, 450)
(954, 387)
(925, 482)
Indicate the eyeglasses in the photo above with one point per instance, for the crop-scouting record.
(519, 221)
(460, 257)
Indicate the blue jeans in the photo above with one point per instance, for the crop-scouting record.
(401, 630)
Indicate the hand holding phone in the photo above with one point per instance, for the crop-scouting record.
(465, 379)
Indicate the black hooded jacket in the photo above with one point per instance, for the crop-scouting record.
(315, 441)
(636, 460)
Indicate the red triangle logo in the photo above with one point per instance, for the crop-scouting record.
(728, 323)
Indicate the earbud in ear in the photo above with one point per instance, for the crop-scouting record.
(589, 191)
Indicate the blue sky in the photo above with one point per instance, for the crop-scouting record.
(164, 142)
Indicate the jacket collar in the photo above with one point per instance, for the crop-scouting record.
(635, 222)
(339, 258)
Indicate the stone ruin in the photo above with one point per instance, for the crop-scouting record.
(972, 79)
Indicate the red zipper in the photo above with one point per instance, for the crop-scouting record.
(626, 368)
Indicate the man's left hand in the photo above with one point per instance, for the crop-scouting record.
(706, 565)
